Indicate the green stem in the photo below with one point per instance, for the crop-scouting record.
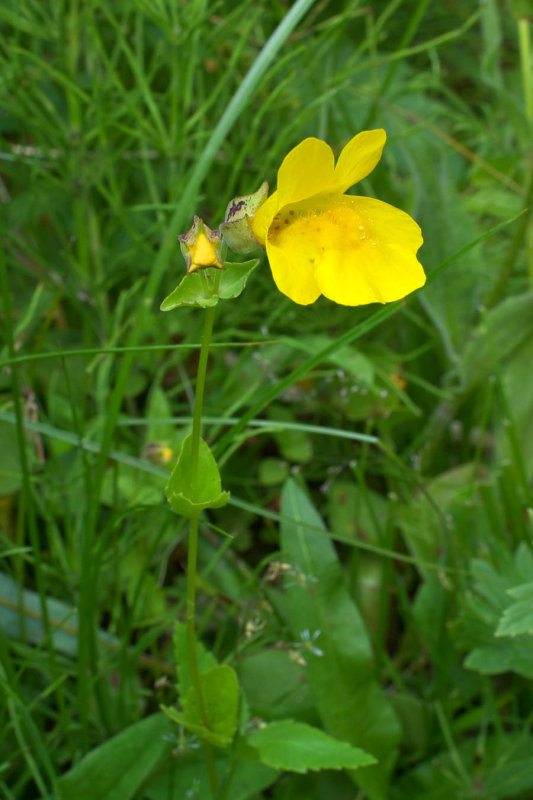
(525, 62)
(517, 244)
(199, 392)
(192, 555)
(524, 40)
(407, 38)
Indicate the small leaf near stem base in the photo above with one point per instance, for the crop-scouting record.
(189, 496)
(220, 699)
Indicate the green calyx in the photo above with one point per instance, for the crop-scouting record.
(236, 229)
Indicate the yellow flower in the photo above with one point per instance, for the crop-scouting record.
(353, 250)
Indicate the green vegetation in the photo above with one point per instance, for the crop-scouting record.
(371, 579)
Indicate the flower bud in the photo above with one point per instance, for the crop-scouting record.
(201, 247)
(236, 228)
(158, 453)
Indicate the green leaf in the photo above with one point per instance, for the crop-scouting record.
(297, 747)
(220, 690)
(117, 769)
(505, 771)
(188, 496)
(10, 472)
(194, 289)
(220, 693)
(272, 471)
(453, 492)
(522, 9)
(294, 445)
(518, 389)
(518, 617)
(191, 291)
(347, 358)
(354, 512)
(158, 415)
(186, 777)
(484, 610)
(274, 685)
(234, 278)
(451, 303)
(497, 337)
(334, 641)
(21, 617)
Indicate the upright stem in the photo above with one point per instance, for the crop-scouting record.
(524, 42)
(524, 39)
(191, 644)
(199, 392)
(192, 554)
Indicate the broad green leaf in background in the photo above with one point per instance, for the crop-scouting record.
(188, 497)
(417, 720)
(361, 514)
(494, 341)
(452, 301)
(335, 643)
(324, 785)
(432, 610)
(158, 415)
(355, 512)
(274, 686)
(10, 472)
(294, 445)
(516, 420)
(503, 767)
(422, 520)
(297, 747)
(272, 471)
(116, 769)
(185, 776)
(484, 612)
(517, 618)
(522, 9)
(21, 614)
(348, 358)
(126, 482)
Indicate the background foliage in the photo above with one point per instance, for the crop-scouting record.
(378, 579)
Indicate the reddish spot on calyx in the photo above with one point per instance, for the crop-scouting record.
(235, 208)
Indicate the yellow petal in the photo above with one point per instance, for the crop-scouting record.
(307, 170)
(203, 254)
(292, 270)
(354, 250)
(371, 255)
(358, 159)
(262, 218)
